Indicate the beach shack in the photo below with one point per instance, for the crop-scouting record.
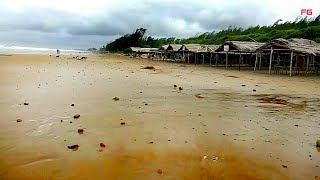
(238, 53)
(206, 54)
(292, 56)
(172, 52)
(143, 52)
(161, 53)
(188, 52)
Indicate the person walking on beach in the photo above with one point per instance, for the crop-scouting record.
(58, 53)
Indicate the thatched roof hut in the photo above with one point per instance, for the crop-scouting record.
(240, 46)
(303, 54)
(302, 46)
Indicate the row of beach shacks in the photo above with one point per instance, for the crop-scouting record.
(292, 56)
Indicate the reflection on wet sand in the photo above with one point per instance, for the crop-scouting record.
(146, 163)
(112, 117)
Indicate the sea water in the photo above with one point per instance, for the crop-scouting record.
(5, 50)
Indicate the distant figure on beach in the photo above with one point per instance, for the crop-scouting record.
(58, 53)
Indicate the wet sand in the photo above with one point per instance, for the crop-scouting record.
(216, 127)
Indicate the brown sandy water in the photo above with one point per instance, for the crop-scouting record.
(214, 128)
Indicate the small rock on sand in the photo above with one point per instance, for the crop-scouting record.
(122, 123)
(19, 120)
(76, 116)
(175, 86)
(116, 98)
(243, 85)
(254, 90)
(102, 145)
(199, 96)
(80, 131)
(73, 147)
(284, 166)
(159, 171)
(72, 104)
(180, 88)
(26, 104)
(148, 67)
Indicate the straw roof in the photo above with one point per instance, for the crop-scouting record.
(213, 48)
(174, 47)
(190, 47)
(208, 48)
(143, 50)
(303, 41)
(304, 46)
(198, 48)
(204, 49)
(242, 46)
(164, 47)
(135, 49)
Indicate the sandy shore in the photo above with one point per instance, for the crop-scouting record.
(217, 127)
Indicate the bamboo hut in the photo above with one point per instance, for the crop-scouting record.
(189, 52)
(172, 51)
(143, 52)
(161, 53)
(292, 56)
(195, 53)
(238, 53)
(205, 53)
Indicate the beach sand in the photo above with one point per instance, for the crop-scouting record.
(216, 127)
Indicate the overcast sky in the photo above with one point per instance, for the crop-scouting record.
(93, 23)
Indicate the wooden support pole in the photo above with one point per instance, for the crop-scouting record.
(183, 56)
(260, 61)
(226, 60)
(210, 58)
(270, 60)
(313, 60)
(308, 61)
(291, 63)
(256, 62)
(202, 58)
(216, 57)
(188, 57)
(240, 61)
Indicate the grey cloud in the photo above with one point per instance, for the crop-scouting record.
(154, 16)
(57, 26)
